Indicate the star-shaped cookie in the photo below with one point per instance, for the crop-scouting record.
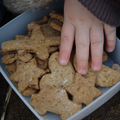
(27, 74)
(54, 100)
(38, 43)
(83, 90)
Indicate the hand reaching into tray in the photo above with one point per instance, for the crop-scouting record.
(87, 30)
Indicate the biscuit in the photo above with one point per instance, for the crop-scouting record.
(54, 100)
(19, 37)
(42, 21)
(57, 25)
(10, 58)
(106, 77)
(116, 67)
(27, 92)
(42, 64)
(57, 15)
(60, 76)
(11, 68)
(33, 24)
(105, 57)
(53, 49)
(83, 90)
(38, 43)
(7, 52)
(25, 58)
(22, 52)
(48, 70)
(27, 74)
(51, 19)
(7, 59)
(48, 31)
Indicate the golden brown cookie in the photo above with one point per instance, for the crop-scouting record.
(83, 90)
(48, 31)
(57, 15)
(106, 77)
(25, 58)
(27, 92)
(54, 100)
(19, 37)
(53, 49)
(60, 76)
(38, 43)
(7, 52)
(11, 68)
(27, 74)
(42, 21)
(116, 67)
(22, 52)
(10, 58)
(42, 64)
(57, 25)
(48, 70)
(105, 57)
(33, 24)
(51, 19)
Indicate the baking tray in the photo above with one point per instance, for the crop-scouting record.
(19, 26)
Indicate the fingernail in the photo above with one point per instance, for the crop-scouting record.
(63, 61)
(82, 71)
(109, 49)
(95, 67)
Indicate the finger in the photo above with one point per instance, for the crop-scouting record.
(67, 38)
(82, 50)
(96, 38)
(110, 34)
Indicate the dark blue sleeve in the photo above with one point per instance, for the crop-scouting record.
(107, 11)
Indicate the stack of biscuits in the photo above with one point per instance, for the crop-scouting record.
(33, 64)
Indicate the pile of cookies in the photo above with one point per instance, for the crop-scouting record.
(32, 62)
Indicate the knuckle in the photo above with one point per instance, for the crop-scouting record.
(81, 45)
(65, 39)
(96, 42)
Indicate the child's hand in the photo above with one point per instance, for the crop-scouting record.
(81, 25)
